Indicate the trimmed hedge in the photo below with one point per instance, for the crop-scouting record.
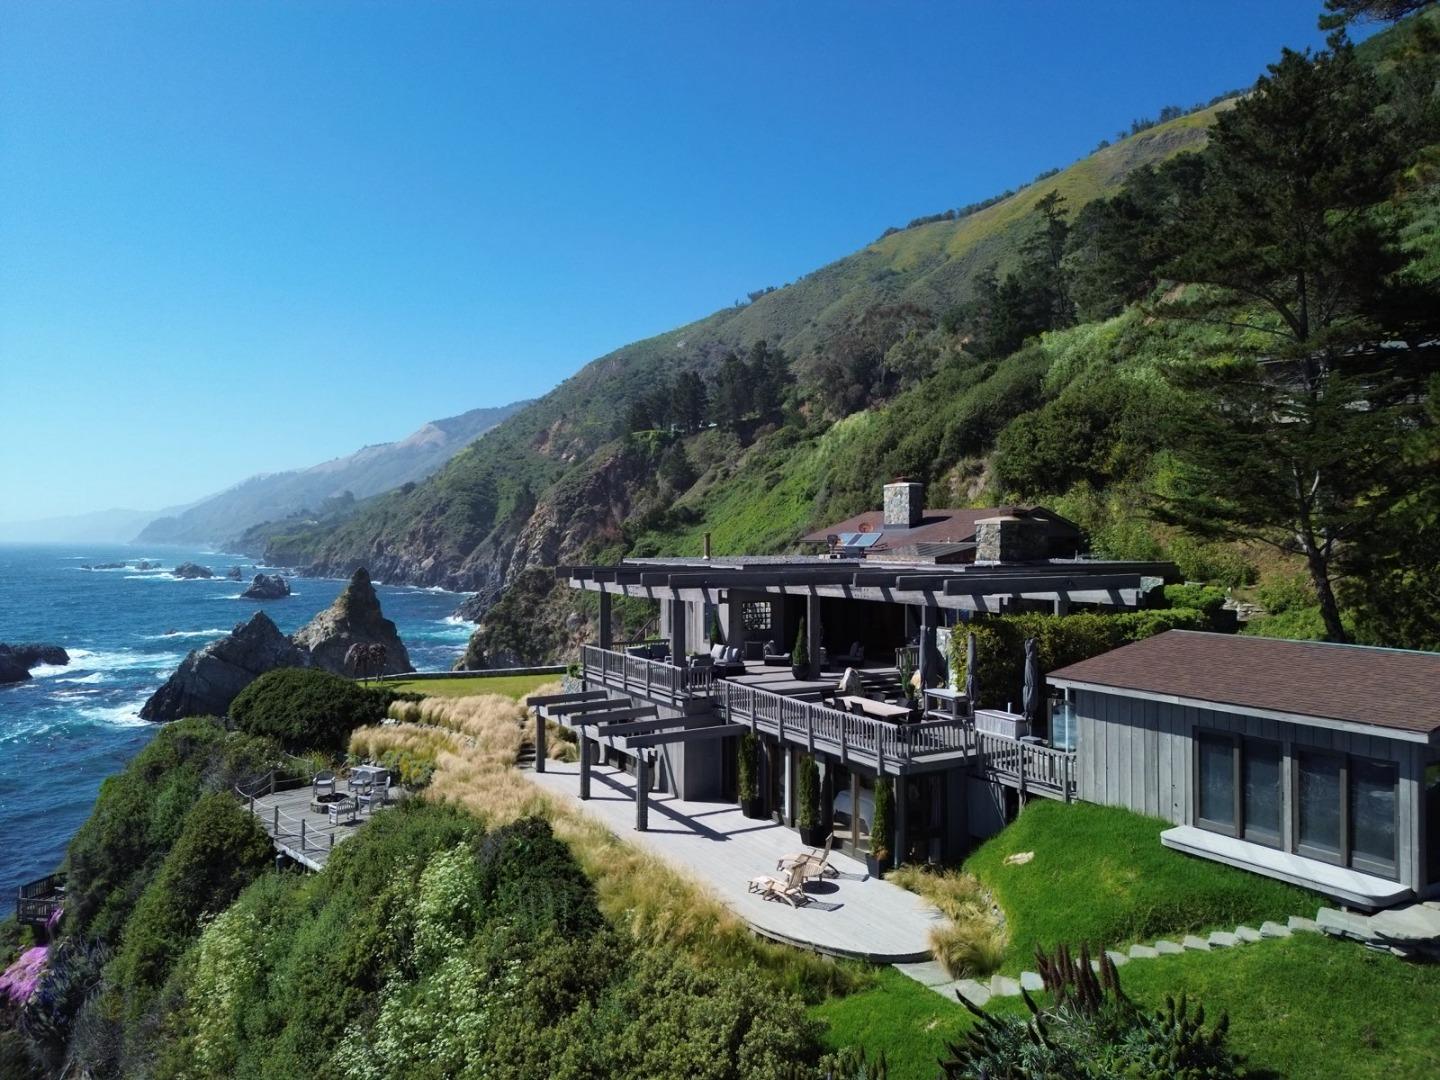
(307, 709)
(1063, 639)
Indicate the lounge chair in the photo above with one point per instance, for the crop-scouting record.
(790, 891)
(323, 784)
(773, 657)
(815, 863)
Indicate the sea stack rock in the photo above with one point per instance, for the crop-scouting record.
(17, 660)
(235, 573)
(207, 680)
(266, 587)
(353, 619)
(192, 570)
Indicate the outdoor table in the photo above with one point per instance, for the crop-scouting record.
(878, 710)
(366, 776)
(951, 703)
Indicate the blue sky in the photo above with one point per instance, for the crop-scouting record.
(239, 237)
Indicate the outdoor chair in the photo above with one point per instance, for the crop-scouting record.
(323, 784)
(790, 891)
(773, 657)
(344, 809)
(363, 786)
(815, 863)
(378, 796)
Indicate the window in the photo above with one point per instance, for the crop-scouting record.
(1216, 782)
(755, 615)
(1318, 811)
(1262, 792)
(1237, 786)
(1372, 815)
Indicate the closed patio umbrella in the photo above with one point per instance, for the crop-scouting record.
(1031, 697)
(972, 682)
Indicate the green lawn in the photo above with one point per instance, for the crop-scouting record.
(514, 686)
(1100, 875)
(1302, 1007)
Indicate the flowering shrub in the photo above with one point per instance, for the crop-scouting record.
(21, 978)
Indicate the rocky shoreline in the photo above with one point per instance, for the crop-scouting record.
(17, 660)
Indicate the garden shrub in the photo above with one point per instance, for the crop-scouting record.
(307, 709)
(1062, 639)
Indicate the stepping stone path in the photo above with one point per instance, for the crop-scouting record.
(1411, 932)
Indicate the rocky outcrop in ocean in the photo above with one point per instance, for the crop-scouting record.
(146, 564)
(235, 573)
(17, 660)
(208, 680)
(267, 587)
(354, 617)
(192, 570)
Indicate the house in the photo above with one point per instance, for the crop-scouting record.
(671, 712)
(1311, 762)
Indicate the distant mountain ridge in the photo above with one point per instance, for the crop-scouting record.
(369, 471)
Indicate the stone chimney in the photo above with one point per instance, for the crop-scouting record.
(1009, 538)
(904, 504)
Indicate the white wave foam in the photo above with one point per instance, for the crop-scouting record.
(457, 620)
(49, 671)
(127, 715)
(93, 677)
(106, 660)
(174, 634)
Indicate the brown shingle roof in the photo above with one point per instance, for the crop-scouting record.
(1389, 688)
(937, 526)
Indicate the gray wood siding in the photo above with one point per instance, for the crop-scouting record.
(1140, 755)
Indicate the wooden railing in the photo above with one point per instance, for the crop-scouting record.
(1031, 767)
(845, 734)
(649, 678)
(37, 901)
(907, 654)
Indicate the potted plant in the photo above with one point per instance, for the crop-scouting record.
(807, 803)
(907, 679)
(800, 655)
(881, 829)
(751, 805)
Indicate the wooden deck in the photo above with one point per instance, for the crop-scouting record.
(296, 830)
(853, 916)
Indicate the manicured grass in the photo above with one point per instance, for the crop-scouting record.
(1309, 1006)
(512, 686)
(1100, 876)
(908, 1022)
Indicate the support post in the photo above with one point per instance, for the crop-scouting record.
(607, 636)
(584, 766)
(642, 792)
(929, 619)
(302, 834)
(540, 734)
(678, 618)
(275, 823)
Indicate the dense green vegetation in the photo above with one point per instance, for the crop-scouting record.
(308, 709)
(512, 686)
(1100, 877)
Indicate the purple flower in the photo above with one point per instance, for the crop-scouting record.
(20, 979)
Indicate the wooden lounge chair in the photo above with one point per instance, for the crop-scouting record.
(790, 891)
(815, 863)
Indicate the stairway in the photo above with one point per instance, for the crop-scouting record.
(1411, 931)
(525, 756)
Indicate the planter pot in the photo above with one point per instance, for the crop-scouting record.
(812, 835)
(800, 672)
(876, 867)
(753, 808)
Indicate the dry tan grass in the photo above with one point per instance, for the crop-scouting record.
(973, 942)
(476, 740)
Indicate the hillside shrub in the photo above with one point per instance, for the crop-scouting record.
(1062, 639)
(307, 709)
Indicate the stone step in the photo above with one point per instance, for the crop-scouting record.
(973, 992)
(1247, 933)
(1199, 944)
(1119, 959)
(1143, 952)
(1168, 948)
(1345, 924)
(1275, 930)
(927, 973)
(1030, 980)
(1301, 924)
(1003, 986)
(1222, 939)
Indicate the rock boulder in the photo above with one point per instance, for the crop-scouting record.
(266, 587)
(354, 618)
(192, 570)
(17, 660)
(208, 680)
(235, 573)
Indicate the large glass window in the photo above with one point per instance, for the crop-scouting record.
(1216, 782)
(1318, 808)
(1261, 809)
(1372, 815)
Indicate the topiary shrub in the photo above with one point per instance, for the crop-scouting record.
(882, 828)
(307, 709)
(747, 781)
(807, 794)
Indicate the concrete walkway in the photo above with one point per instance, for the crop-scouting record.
(852, 916)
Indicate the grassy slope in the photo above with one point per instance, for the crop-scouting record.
(1100, 875)
(512, 686)
(455, 511)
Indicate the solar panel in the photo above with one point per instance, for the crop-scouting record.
(859, 540)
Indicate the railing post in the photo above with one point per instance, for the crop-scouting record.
(844, 748)
(302, 834)
(275, 824)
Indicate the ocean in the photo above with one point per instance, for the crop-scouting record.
(68, 728)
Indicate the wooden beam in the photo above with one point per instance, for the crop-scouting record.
(648, 727)
(557, 699)
(572, 708)
(616, 716)
(700, 734)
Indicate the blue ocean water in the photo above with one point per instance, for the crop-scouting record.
(68, 728)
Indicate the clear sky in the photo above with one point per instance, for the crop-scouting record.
(239, 237)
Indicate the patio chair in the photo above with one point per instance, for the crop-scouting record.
(345, 809)
(816, 863)
(378, 796)
(790, 891)
(773, 657)
(323, 784)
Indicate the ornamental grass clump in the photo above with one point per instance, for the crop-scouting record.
(972, 941)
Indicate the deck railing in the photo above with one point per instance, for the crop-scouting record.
(641, 675)
(1031, 767)
(36, 901)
